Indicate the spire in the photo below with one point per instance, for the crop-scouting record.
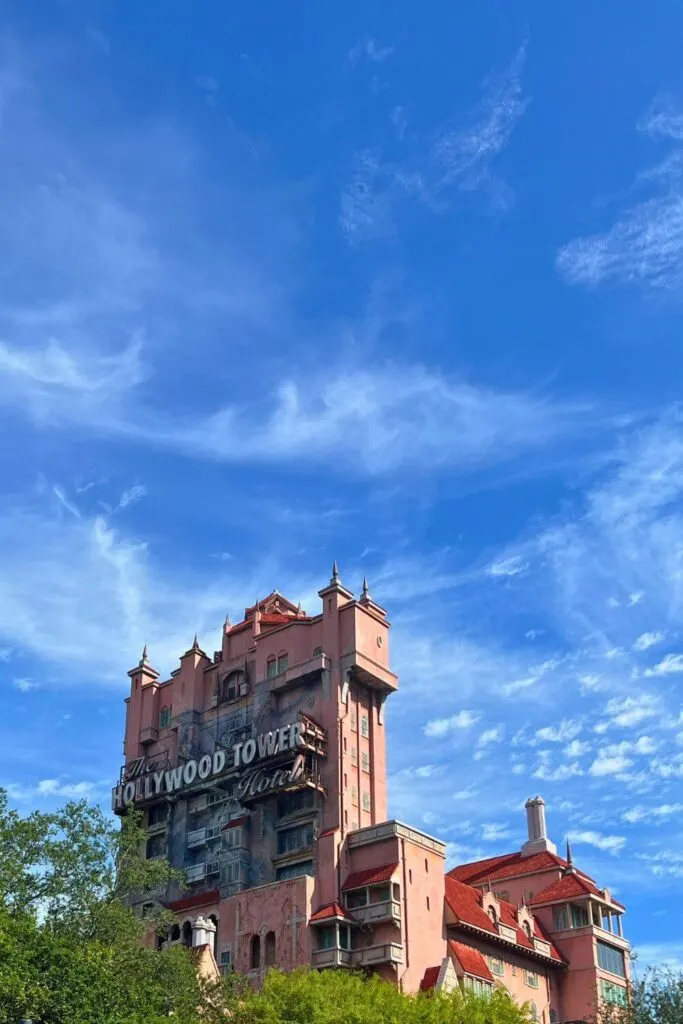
(144, 659)
(298, 610)
(195, 644)
(570, 860)
(335, 572)
(365, 595)
(227, 624)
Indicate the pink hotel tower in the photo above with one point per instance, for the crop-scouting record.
(261, 771)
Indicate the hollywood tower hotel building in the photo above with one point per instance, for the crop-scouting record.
(261, 771)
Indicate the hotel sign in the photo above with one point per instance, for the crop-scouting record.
(144, 782)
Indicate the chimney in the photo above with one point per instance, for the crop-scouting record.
(203, 932)
(538, 841)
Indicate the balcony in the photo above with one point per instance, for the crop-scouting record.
(199, 836)
(388, 953)
(374, 913)
(294, 674)
(334, 957)
(148, 735)
(369, 672)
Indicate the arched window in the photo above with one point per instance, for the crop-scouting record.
(553, 1017)
(187, 933)
(282, 662)
(270, 950)
(232, 686)
(533, 1011)
(161, 939)
(527, 929)
(175, 933)
(212, 917)
(492, 914)
(271, 667)
(255, 958)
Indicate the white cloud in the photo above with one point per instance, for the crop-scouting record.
(559, 774)
(534, 676)
(660, 954)
(577, 748)
(604, 764)
(507, 567)
(369, 48)
(628, 711)
(57, 788)
(465, 794)
(564, 731)
(443, 726)
(645, 245)
(24, 685)
(610, 844)
(493, 832)
(662, 811)
(670, 665)
(487, 738)
(647, 640)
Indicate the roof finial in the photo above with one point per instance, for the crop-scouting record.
(335, 572)
(298, 610)
(570, 862)
(227, 624)
(195, 643)
(143, 659)
(365, 596)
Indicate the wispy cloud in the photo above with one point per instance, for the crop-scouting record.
(611, 844)
(442, 726)
(460, 158)
(647, 640)
(645, 244)
(369, 49)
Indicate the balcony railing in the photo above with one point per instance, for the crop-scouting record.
(334, 957)
(373, 913)
(388, 953)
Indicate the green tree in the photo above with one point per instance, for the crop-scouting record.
(657, 998)
(71, 949)
(343, 997)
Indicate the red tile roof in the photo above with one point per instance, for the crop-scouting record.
(200, 899)
(466, 904)
(235, 822)
(569, 887)
(470, 959)
(330, 910)
(431, 976)
(509, 865)
(371, 876)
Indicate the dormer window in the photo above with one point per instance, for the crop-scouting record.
(527, 929)
(493, 915)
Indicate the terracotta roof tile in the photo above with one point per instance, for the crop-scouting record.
(430, 978)
(471, 960)
(466, 904)
(330, 910)
(508, 865)
(371, 876)
(200, 899)
(235, 822)
(565, 888)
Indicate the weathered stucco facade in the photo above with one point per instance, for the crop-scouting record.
(261, 772)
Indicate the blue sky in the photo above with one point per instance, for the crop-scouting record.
(394, 284)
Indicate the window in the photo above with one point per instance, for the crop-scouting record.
(346, 781)
(365, 761)
(596, 915)
(271, 667)
(491, 911)
(380, 893)
(426, 866)
(164, 718)
(531, 979)
(231, 687)
(282, 663)
(175, 933)
(560, 918)
(553, 1017)
(157, 814)
(231, 873)
(147, 909)
(502, 894)
(344, 936)
(364, 726)
(232, 838)
(354, 724)
(367, 804)
(533, 1012)
(611, 959)
(345, 744)
(354, 794)
(616, 995)
(270, 949)
(346, 817)
(476, 985)
(255, 953)
(304, 867)
(496, 967)
(428, 907)
(354, 755)
(226, 960)
(327, 936)
(356, 898)
(514, 970)
(410, 875)
(396, 891)
(296, 802)
(579, 915)
(214, 921)
(291, 839)
(156, 847)
(187, 933)
(527, 929)
(354, 825)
